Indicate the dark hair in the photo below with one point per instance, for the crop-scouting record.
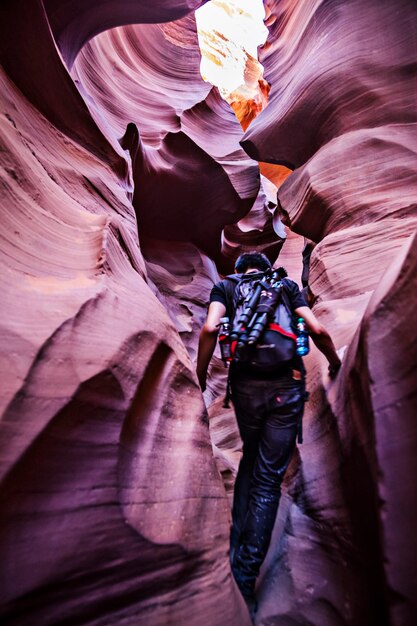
(281, 272)
(252, 260)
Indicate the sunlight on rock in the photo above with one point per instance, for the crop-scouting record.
(229, 33)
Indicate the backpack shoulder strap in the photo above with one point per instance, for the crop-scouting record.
(287, 282)
(285, 297)
(230, 283)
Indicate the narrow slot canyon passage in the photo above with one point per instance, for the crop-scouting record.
(131, 180)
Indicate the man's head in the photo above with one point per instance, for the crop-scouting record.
(250, 261)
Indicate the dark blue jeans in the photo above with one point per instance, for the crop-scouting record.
(268, 413)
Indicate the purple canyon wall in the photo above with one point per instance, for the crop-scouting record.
(342, 113)
(112, 510)
(124, 191)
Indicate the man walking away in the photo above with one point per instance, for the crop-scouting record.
(268, 407)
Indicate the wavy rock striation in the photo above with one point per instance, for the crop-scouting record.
(112, 510)
(184, 146)
(342, 113)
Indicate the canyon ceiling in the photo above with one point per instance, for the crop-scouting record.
(127, 185)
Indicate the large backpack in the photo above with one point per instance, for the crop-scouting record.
(262, 337)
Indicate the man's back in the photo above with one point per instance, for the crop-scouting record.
(260, 307)
(268, 407)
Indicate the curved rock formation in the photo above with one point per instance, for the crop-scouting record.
(104, 475)
(112, 509)
(315, 98)
(184, 146)
(30, 59)
(75, 23)
(341, 112)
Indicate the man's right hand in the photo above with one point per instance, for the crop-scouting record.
(334, 369)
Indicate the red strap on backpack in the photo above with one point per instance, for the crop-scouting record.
(281, 330)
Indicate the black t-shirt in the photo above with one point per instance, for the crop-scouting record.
(223, 292)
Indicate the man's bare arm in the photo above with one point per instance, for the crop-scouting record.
(208, 339)
(321, 338)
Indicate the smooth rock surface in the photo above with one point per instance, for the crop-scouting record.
(341, 113)
(184, 144)
(112, 509)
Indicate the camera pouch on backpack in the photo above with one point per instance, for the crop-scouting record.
(264, 340)
(273, 350)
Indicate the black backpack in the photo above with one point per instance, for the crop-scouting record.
(262, 337)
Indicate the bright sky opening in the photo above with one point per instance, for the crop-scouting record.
(229, 31)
